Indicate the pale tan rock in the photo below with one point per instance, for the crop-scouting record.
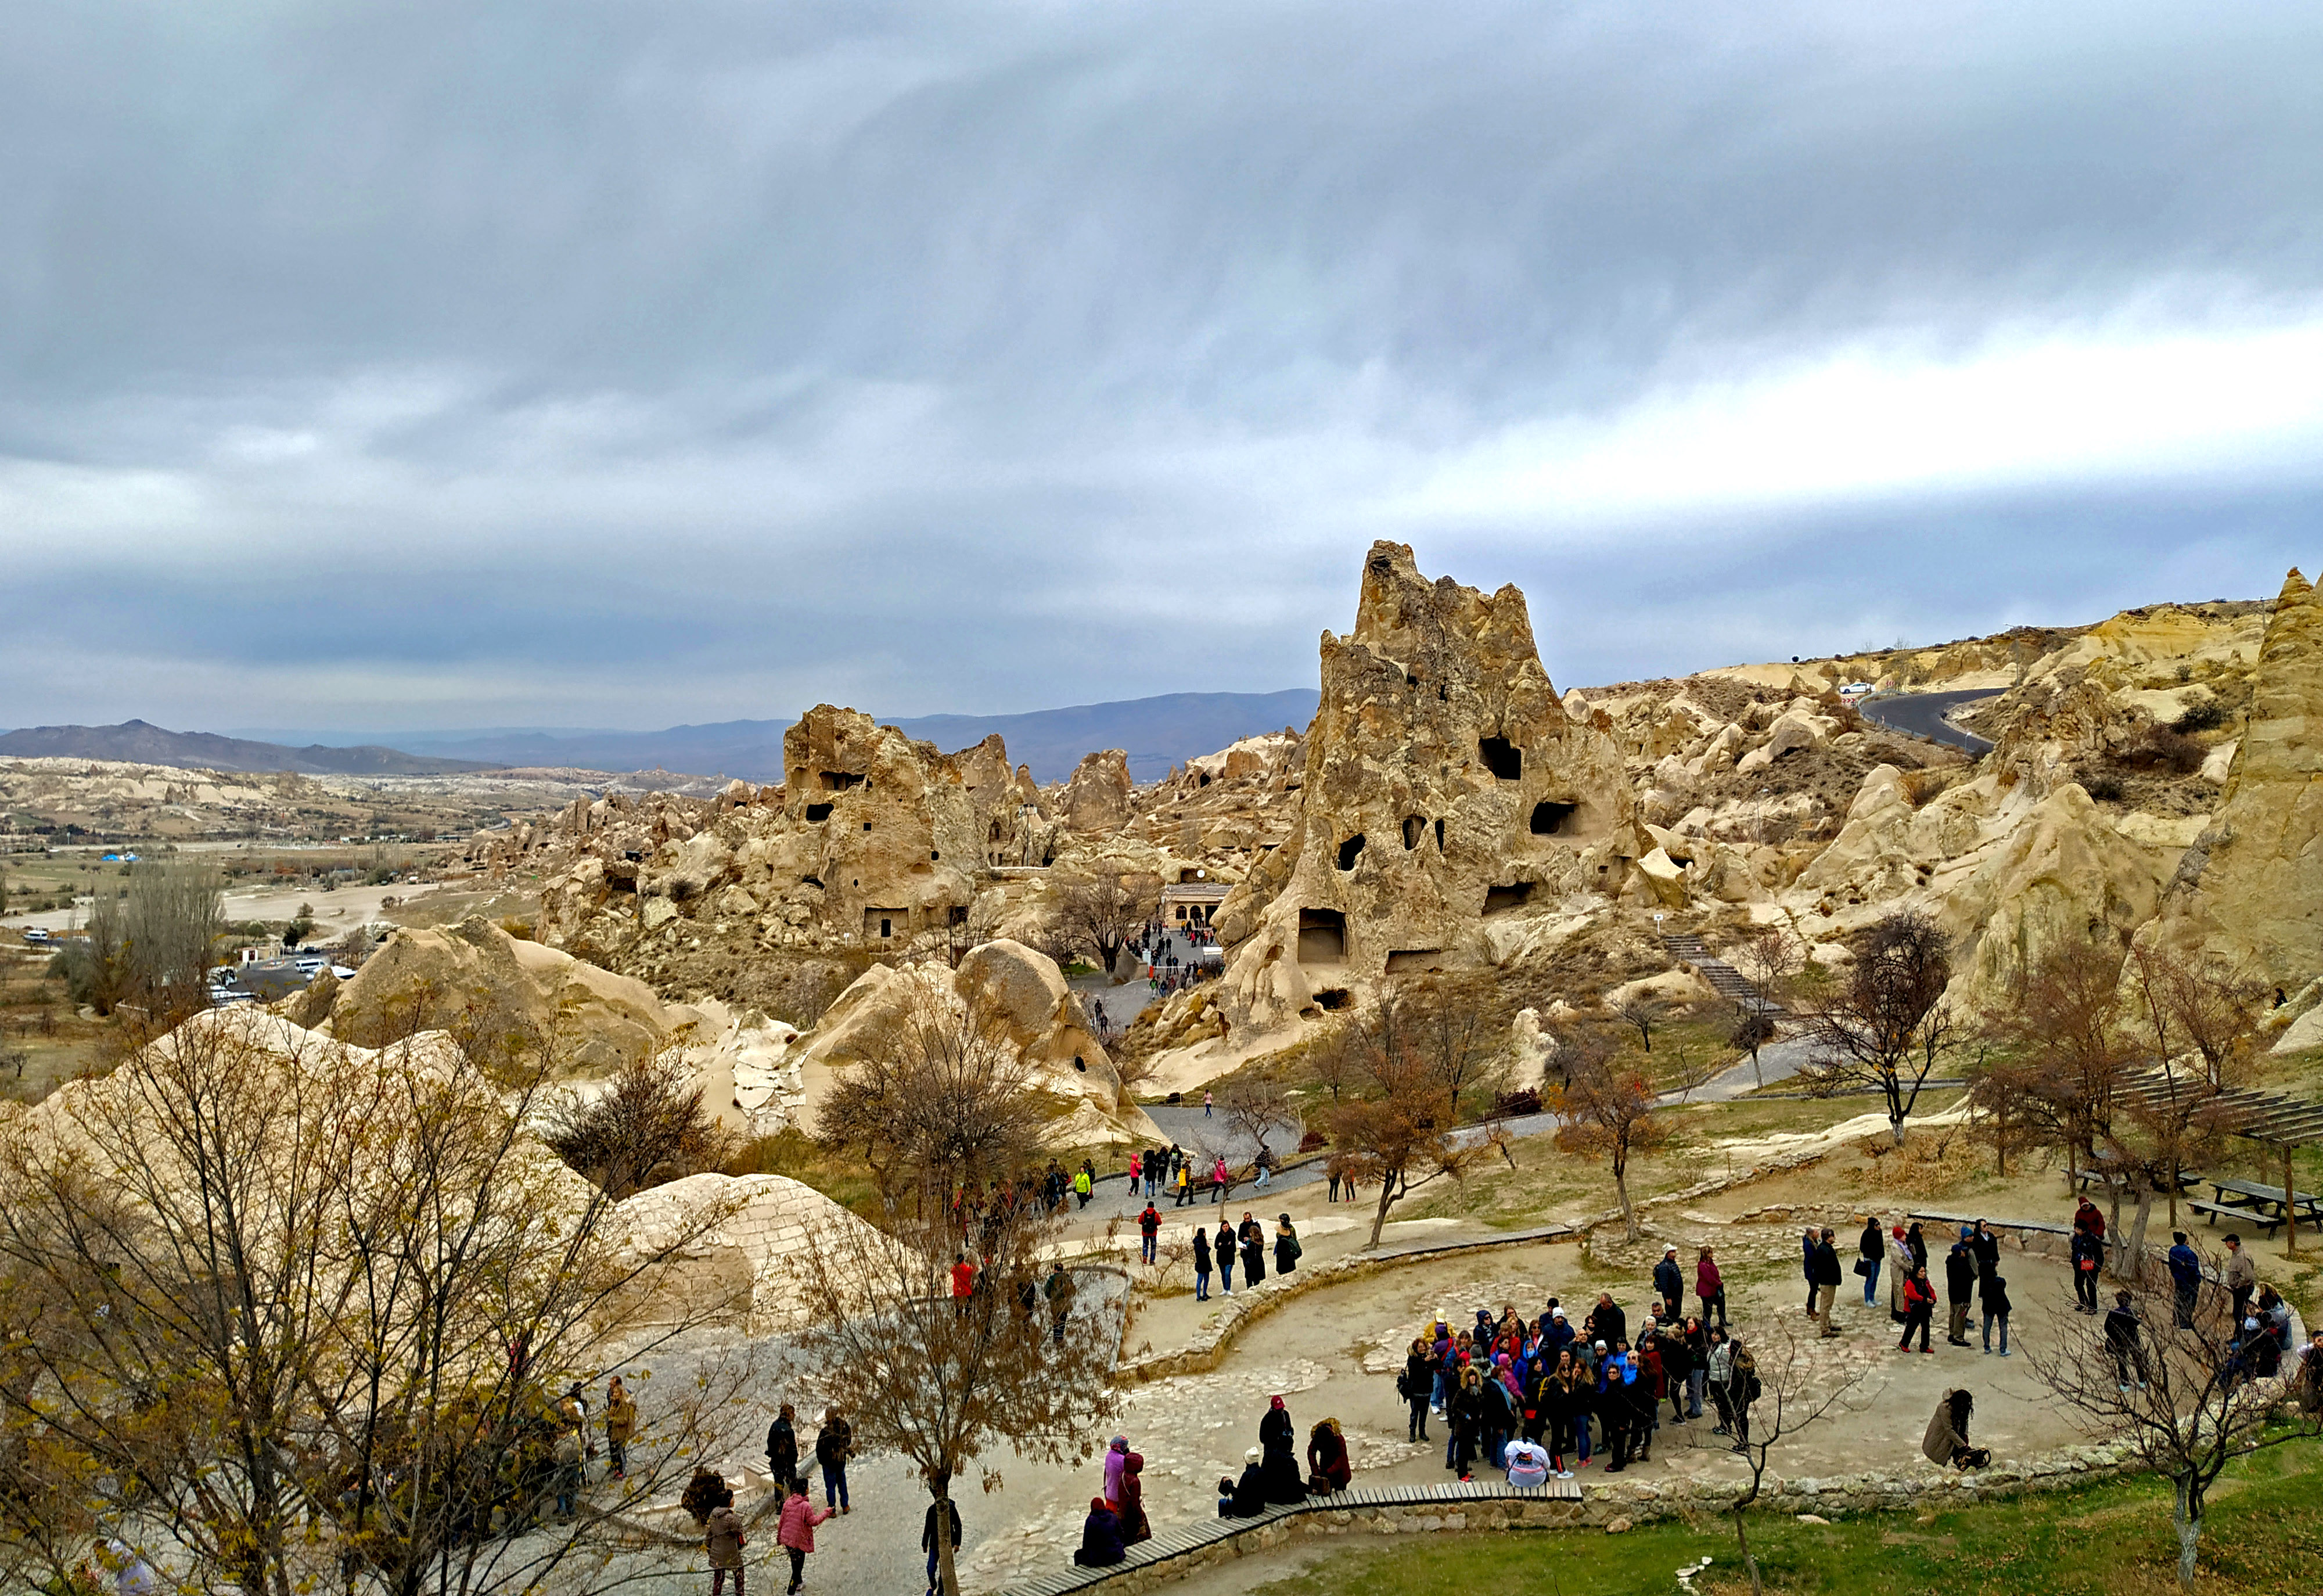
(2219, 763)
(2251, 889)
(1663, 876)
(1100, 797)
(1444, 784)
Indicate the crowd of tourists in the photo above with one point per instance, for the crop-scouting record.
(1544, 1398)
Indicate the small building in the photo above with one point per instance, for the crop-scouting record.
(1192, 903)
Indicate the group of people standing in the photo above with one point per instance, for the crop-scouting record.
(1246, 1241)
(1545, 1387)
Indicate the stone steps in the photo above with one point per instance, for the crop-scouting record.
(1724, 979)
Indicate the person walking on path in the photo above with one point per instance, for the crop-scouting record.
(782, 1446)
(620, 1423)
(1919, 1309)
(1986, 1246)
(1995, 1291)
(1206, 1101)
(1742, 1390)
(931, 1532)
(834, 1443)
(1220, 1180)
(1149, 1230)
(1201, 1265)
(1183, 1176)
(2185, 1278)
(1871, 1248)
(2088, 1220)
(1287, 1249)
(1827, 1279)
(1226, 1251)
(1808, 1239)
(1711, 1287)
(1083, 1185)
(1959, 1281)
(1134, 1526)
(796, 1532)
(722, 1538)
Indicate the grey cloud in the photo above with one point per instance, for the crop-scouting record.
(705, 360)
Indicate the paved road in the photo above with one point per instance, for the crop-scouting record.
(1924, 714)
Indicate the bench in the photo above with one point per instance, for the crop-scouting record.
(2217, 1211)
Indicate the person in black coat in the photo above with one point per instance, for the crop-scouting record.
(1244, 1498)
(1201, 1265)
(1101, 1544)
(1959, 1282)
(1418, 1382)
(1871, 1253)
(1278, 1443)
(1253, 1237)
(1669, 1282)
(1607, 1322)
(1828, 1276)
(782, 1446)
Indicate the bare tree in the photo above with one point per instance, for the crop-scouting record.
(1889, 1025)
(1640, 1013)
(2185, 1400)
(948, 1099)
(649, 1126)
(1397, 1127)
(2198, 1014)
(1768, 958)
(2062, 1059)
(1026, 1365)
(1256, 1110)
(1102, 910)
(1780, 1382)
(255, 1279)
(1607, 1112)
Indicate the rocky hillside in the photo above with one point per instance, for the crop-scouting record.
(1449, 810)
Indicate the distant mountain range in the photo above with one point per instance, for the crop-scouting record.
(1157, 733)
(138, 743)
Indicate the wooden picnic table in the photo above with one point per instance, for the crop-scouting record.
(2188, 1180)
(2265, 1201)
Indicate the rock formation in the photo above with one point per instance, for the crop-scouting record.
(1099, 796)
(1444, 783)
(2251, 888)
(1036, 1013)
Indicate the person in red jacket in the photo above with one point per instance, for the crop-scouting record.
(963, 1284)
(1919, 1309)
(1149, 1226)
(1711, 1287)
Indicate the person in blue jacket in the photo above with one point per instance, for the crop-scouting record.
(2185, 1277)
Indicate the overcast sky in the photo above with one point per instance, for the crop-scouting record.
(494, 363)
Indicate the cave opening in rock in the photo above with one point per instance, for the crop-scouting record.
(1350, 851)
(1415, 827)
(1513, 895)
(839, 781)
(1549, 817)
(1332, 998)
(816, 814)
(1412, 961)
(1503, 758)
(1322, 936)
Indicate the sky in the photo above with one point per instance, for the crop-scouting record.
(583, 363)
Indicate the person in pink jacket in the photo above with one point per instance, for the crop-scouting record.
(796, 1533)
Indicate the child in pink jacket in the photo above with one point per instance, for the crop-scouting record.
(796, 1533)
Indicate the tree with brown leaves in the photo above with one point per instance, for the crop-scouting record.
(948, 1099)
(1606, 1110)
(1028, 1366)
(1398, 1125)
(650, 1126)
(1889, 1025)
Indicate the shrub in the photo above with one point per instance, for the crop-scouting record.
(2103, 785)
(2204, 714)
(1312, 1141)
(1509, 1105)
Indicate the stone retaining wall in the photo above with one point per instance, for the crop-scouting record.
(1611, 1507)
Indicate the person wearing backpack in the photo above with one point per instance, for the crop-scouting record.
(1286, 1245)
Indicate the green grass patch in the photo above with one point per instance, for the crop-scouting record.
(2263, 1537)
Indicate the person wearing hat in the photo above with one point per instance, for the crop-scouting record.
(1669, 1284)
(1286, 1245)
(1244, 1498)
